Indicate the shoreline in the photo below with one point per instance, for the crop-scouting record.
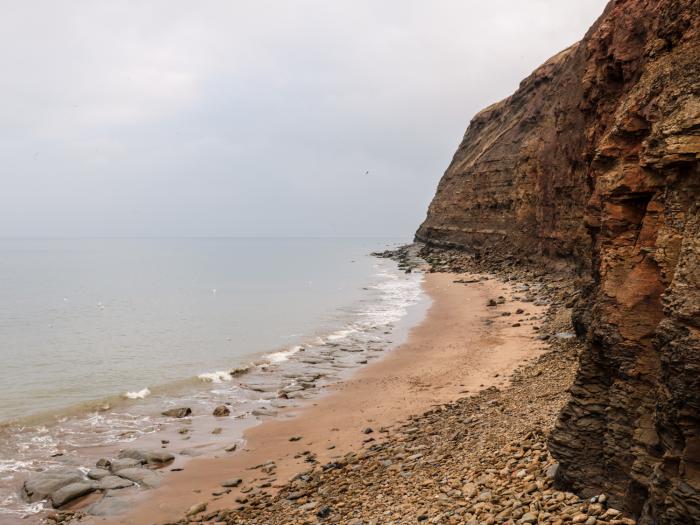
(460, 347)
(266, 384)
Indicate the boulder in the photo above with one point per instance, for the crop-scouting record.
(152, 457)
(97, 473)
(71, 491)
(41, 485)
(144, 477)
(120, 464)
(114, 482)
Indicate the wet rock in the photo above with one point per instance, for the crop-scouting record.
(110, 506)
(97, 473)
(70, 492)
(103, 463)
(40, 485)
(153, 457)
(221, 411)
(114, 483)
(177, 412)
(120, 464)
(144, 477)
(262, 412)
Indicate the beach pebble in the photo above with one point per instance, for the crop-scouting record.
(196, 509)
(177, 412)
(233, 482)
(221, 411)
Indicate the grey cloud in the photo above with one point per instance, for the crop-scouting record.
(250, 117)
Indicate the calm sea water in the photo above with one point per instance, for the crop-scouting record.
(88, 318)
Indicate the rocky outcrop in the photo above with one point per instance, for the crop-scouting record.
(594, 163)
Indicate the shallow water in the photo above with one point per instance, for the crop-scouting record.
(99, 336)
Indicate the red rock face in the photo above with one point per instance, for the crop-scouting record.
(594, 161)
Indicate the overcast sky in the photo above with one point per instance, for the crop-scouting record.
(250, 118)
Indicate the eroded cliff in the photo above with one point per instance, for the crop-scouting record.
(594, 162)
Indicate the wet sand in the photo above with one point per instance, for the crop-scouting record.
(460, 347)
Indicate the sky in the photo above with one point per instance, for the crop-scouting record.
(250, 118)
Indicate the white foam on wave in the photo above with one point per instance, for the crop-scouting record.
(341, 334)
(15, 506)
(283, 355)
(216, 377)
(396, 293)
(11, 465)
(138, 394)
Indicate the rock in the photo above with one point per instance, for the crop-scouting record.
(110, 506)
(103, 463)
(153, 457)
(120, 464)
(196, 509)
(528, 517)
(491, 302)
(144, 477)
(221, 411)
(40, 485)
(233, 482)
(295, 438)
(565, 335)
(97, 473)
(324, 511)
(68, 493)
(231, 448)
(264, 413)
(114, 482)
(551, 471)
(368, 430)
(177, 412)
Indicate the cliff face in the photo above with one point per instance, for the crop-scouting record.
(594, 161)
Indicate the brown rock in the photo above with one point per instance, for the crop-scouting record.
(221, 411)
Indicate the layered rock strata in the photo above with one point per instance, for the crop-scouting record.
(593, 163)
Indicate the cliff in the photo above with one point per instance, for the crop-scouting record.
(593, 164)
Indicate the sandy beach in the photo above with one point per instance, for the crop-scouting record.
(461, 346)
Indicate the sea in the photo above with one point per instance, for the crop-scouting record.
(99, 336)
